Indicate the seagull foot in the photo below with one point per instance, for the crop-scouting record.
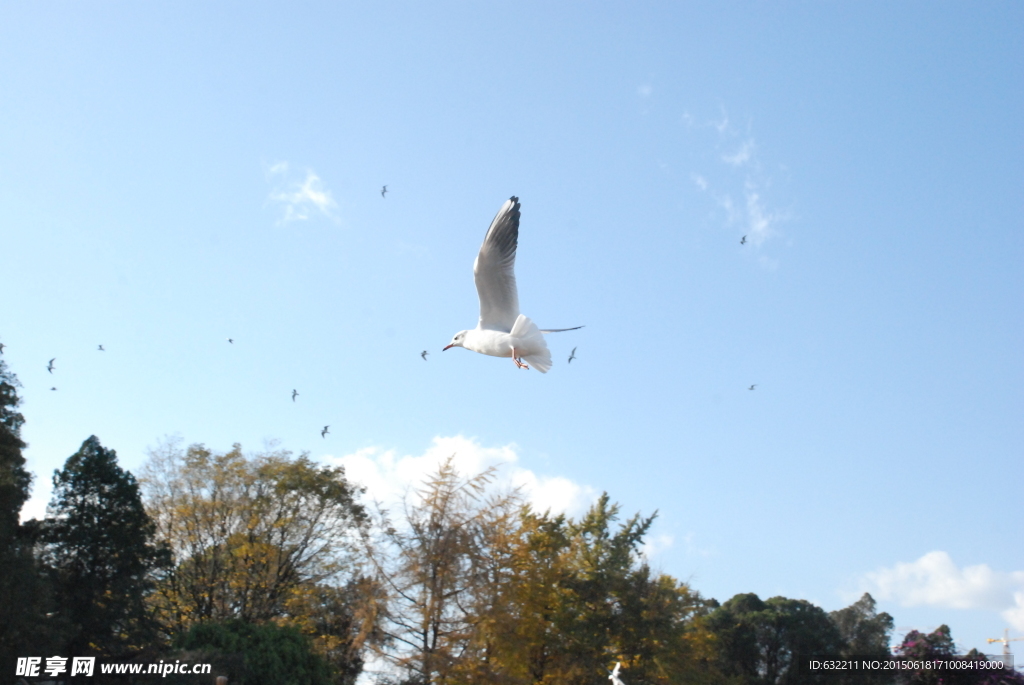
(518, 362)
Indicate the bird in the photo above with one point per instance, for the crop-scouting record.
(50, 367)
(53, 388)
(295, 393)
(572, 355)
(743, 240)
(614, 677)
(324, 432)
(752, 387)
(100, 348)
(424, 354)
(2, 346)
(231, 341)
(384, 191)
(502, 330)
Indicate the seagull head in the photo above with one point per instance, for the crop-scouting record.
(458, 340)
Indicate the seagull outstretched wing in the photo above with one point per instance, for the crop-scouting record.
(494, 270)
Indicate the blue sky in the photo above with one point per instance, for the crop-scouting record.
(173, 175)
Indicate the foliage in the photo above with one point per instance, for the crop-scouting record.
(98, 544)
(249, 654)
(259, 539)
(864, 632)
(938, 645)
(759, 642)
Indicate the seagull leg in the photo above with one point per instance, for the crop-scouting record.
(519, 363)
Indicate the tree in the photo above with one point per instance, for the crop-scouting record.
(25, 600)
(939, 646)
(249, 654)
(257, 539)
(864, 633)
(760, 642)
(99, 546)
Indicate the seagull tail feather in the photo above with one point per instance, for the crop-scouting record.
(527, 331)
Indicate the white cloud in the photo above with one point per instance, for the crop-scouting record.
(655, 544)
(645, 90)
(35, 507)
(742, 155)
(934, 580)
(300, 199)
(699, 181)
(388, 477)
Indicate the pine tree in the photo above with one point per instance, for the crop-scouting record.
(99, 547)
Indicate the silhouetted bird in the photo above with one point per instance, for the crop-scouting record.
(295, 393)
(100, 348)
(53, 388)
(743, 240)
(424, 354)
(752, 387)
(50, 367)
(231, 341)
(324, 432)
(2, 346)
(383, 191)
(572, 355)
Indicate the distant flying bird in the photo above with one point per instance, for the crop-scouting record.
(50, 367)
(502, 330)
(614, 677)
(2, 346)
(384, 191)
(572, 355)
(752, 387)
(424, 354)
(100, 348)
(324, 432)
(295, 393)
(231, 341)
(743, 240)
(53, 388)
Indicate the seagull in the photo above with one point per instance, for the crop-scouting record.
(614, 677)
(53, 388)
(100, 348)
(295, 393)
(383, 191)
(752, 387)
(231, 341)
(743, 240)
(572, 355)
(324, 432)
(50, 367)
(502, 331)
(424, 354)
(2, 346)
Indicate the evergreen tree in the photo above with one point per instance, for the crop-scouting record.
(24, 599)
(99, 546)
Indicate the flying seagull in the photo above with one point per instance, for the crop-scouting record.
(53, 388)
(502, 331)
(743, 240)
(752, 387)
(384, 191)
(50, 367)
(231, 341)
(324, 432)
(614, 677)
(2, 346)
(295, 393)
(100, 348)
(572, 355)
(424, 354)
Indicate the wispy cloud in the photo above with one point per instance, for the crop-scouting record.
(935, 580)
(645, 90)
(389, 477)
(742, 155)
(299, 200)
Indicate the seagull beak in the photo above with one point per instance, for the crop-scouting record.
(452, 345)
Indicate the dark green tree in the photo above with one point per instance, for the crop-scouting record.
(249, 654)
(98, 544)
(24, 598)
(864, 632)
(939, 646)
(760, 642)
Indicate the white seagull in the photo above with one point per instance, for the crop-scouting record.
(502, 331)
(614, 677)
